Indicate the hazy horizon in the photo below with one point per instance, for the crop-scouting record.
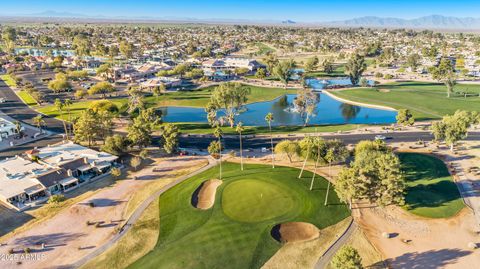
(307, 11)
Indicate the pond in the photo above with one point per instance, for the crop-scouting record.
(328, 111)
(319, 84)
(43, 52)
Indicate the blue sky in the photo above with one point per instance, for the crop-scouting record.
(299, 10)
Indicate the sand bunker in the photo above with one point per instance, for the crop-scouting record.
(204, 195)
(294, 232)
(384, 90)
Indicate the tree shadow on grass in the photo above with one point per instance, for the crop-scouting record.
(428, 260)
(432, 195)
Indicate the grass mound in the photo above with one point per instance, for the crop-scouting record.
(431, 191)
(194, 238)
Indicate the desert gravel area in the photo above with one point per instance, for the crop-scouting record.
(67, 237)
(418, 242)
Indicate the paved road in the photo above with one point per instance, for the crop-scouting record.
(136, 215)
(330, 252)
(264, 141)
(15, 108)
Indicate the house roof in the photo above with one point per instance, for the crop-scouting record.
(54, 177)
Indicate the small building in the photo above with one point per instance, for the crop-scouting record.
(51, 170)
(7, 129)
(19, 187)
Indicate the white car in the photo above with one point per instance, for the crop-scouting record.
(380, 137)
(264, 150)
(2, 100)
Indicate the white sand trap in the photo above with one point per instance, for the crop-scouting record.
(295, 232)
(384, 90)
(205, 196)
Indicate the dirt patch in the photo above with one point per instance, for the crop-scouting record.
(294, 232)
(204, 195)
(383, 90)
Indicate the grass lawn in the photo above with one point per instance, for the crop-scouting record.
(200, 128)
(338, 71)
(425, 100)
(75, 109)
(263, 49)
(235, 232)
(8, 80)
(431, 191)
(27, 98)
(200, 98)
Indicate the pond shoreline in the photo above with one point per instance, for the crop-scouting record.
(327, 92)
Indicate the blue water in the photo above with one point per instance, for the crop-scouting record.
(43, 52)
(329, 111)
(319, 84)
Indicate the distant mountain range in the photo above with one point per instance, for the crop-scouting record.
(427, 22)
(433, 21)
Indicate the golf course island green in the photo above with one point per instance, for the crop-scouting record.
(237, 231)
(431, 191)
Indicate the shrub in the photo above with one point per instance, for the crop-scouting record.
(27, 250)
(57, 198)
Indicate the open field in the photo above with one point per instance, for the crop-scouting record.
(431, 191)
(235, 232)
(426, 100)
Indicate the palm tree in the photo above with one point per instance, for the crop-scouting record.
(329, 157)
(309, 141)
(39, 122)
(59, 106)
(67, 103)
(239, 130)
(316, 165)
(218, 133)
(18, 127)
(269, 119)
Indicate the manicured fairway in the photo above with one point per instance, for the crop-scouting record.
(431, 191)
(425, 100)
(235, 232)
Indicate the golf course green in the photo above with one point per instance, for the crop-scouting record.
(236, 231)
(425, 100)
(431, 191)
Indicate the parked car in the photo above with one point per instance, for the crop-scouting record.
(380, 137)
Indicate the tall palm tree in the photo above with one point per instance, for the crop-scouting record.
(315, 170)
(59, 106)
(18, 127)
(329, 157)
(239, 130)
(218, 133)
(309, 141)
(269, 119)
(67, 103)
(39, 122)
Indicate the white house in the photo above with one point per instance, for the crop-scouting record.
(7, 129)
